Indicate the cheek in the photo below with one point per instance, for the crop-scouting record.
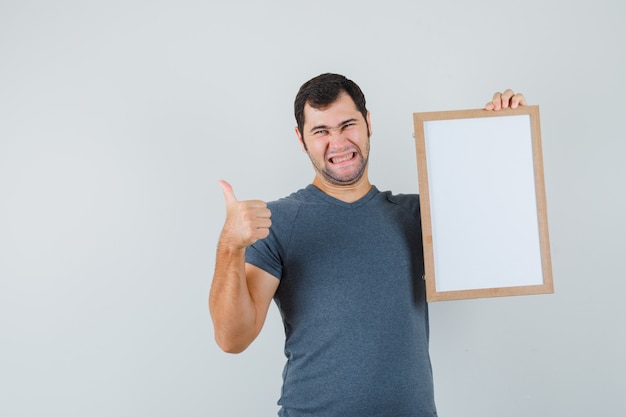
(316, 149)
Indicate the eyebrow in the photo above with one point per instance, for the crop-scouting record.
(314, 128)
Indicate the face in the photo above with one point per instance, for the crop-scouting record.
(336, 138)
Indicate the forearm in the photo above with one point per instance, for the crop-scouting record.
(230, 303)
(237, 310)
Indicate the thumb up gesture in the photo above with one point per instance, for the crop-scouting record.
(246, 221)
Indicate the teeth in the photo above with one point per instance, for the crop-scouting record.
(345, 158)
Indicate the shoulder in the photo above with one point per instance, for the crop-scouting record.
(408, 204)
(291, 203)
(409, 201)
(286, 210)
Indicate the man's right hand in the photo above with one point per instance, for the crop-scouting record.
(246, 221)
(240, 293)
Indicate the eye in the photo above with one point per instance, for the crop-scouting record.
(320, 132)
(348, 125)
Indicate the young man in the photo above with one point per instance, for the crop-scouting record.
(343, 262)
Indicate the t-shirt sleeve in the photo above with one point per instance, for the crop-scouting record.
(263, 255)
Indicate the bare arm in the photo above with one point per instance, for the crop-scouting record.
(240, 293)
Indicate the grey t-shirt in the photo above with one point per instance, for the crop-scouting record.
(352, 299)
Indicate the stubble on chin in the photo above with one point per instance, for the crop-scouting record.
(334, 178)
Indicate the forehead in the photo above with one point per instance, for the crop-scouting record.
(338, 111)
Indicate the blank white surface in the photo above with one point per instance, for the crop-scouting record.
(483, 203)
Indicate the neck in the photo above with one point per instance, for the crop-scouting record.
(346, 193)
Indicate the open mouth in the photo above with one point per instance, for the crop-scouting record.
(344, 158)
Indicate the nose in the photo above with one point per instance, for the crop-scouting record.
(337, 137)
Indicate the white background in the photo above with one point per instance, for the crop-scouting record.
(118, 118)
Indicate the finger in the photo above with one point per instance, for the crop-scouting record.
(506, 98)
(258, 228)
(496, 101)
(260, 232)
(263, 223)
(518, 100)
(263, 233)
(229, 194)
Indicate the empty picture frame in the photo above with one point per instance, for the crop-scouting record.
(483, 203)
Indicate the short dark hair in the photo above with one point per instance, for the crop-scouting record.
(322, 91)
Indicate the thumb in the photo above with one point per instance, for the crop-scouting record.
(229, 194)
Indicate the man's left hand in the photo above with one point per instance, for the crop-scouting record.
(505, 100)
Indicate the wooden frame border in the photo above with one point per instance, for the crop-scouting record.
(429, 257)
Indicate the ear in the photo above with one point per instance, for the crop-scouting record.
(301, 139)
(369, 123)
